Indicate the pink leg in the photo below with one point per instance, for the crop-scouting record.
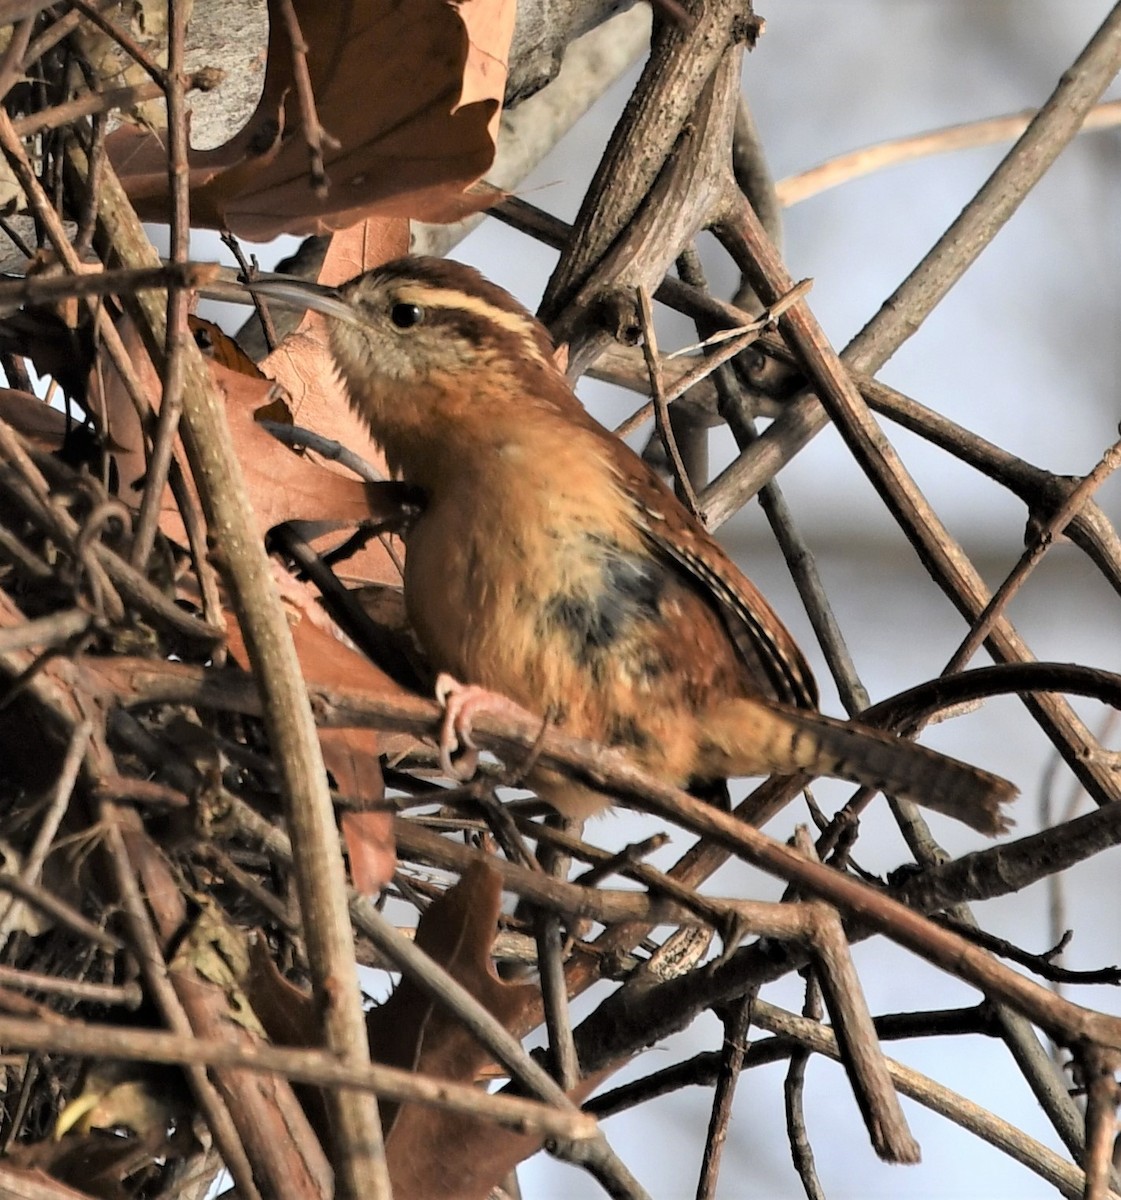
(461, 702)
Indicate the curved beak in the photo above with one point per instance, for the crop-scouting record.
(303, 294)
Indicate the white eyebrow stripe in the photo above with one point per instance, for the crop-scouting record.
(433, 297)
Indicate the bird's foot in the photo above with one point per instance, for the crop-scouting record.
(461, 701)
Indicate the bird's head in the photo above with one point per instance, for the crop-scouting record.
(420, 321)
(443, 365)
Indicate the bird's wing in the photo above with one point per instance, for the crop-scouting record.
(768, 651)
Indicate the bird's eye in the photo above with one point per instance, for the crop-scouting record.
(405, 316)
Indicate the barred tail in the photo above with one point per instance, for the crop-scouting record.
(747, 737)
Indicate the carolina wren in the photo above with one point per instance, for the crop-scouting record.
(551, 565)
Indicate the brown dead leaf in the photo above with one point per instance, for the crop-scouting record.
(370, 847)
(361, 247)
(56, 348)
(457, 931)
(412, 1032)
(43, 426)
(286, 1012)
(284, 484)
(328, 661)
(411, 92)
(351, 755)
(288, 1016)
(302, 364)
(219, 347)
(109, 400)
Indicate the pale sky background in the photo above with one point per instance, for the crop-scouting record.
(1024, 351)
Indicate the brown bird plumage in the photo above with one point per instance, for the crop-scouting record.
(551, 564)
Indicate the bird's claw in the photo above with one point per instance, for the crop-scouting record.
(459, 702)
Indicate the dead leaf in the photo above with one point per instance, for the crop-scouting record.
(56, 348)
(361, 247)
(428, 78)
(411, 1031)
(286, 1012)
(284, 484)
(219, 347)
(303, 365)
(288, 1015)
(370, 847)
(43, 426)
(351, 755)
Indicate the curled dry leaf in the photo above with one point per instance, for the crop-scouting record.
(288, 1015)
(350, 755)
(370, 845)
(284, 484)
(413, 1032)
(43, 426)
(360, 248)
(303, 365)
(428, 77)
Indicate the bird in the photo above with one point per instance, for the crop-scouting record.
(552, 567)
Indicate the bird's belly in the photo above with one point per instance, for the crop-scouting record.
(481, 611)
(471, 602)
(568, 634)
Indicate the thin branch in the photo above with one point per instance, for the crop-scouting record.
(321, 1067)
(1041, 541)
(855, 164)
(178, 299)
(1067, 1179)
(793, 1091)
(737, 1022)
(661, 411)
(318, 862)
(314, 134)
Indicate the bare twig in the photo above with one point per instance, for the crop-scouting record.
(309, 1066)
(793, 1092)
(857, 163)
(737, 1022)
(314, 134)
(661, 410)
(319, 869)
(1040, 543)
(178, 299)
